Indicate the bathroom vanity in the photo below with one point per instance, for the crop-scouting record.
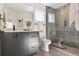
(20, 43)
(0, 43)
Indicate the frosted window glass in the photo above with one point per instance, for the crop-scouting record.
(51, 17)
(39, 15)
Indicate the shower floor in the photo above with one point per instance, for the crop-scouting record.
(67, 48)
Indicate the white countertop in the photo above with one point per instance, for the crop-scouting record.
(21, 31)
(10, 30)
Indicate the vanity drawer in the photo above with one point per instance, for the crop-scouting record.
(33, 35)
(33, 44)
(33, 49)
(36, 39)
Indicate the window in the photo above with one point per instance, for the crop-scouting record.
(51, 17)
(39, 15)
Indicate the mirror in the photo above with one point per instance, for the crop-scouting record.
(14, 15)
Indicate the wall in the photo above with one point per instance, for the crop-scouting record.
(13, 15)
(51, 26)
(42, 25)
(69, 35)
(1, 12)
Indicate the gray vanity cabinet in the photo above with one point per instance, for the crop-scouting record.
(0, 43)
(21, 45)
(8, 44)
(33, 42)
(27, 43)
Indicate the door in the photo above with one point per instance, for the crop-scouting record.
(21, 44)
(9, 44)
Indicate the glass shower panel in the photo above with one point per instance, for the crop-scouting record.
(51, 26)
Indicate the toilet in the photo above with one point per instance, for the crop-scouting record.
(45, 45)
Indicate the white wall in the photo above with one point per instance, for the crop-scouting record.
(14, 15)
(42, 25)
(1, 12)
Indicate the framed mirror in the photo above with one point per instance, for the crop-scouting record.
(20, 22)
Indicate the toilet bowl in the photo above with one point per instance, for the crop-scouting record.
(46, 44)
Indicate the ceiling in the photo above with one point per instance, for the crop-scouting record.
(19, 6)
(54, 5)
(30, 6)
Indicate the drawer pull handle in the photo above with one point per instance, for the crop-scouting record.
(33, 47)
(33, 36)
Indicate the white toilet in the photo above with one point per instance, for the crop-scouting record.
(45, 45)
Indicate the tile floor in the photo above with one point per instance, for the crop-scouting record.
(54, 52)
(72, 50)
(69, 49)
